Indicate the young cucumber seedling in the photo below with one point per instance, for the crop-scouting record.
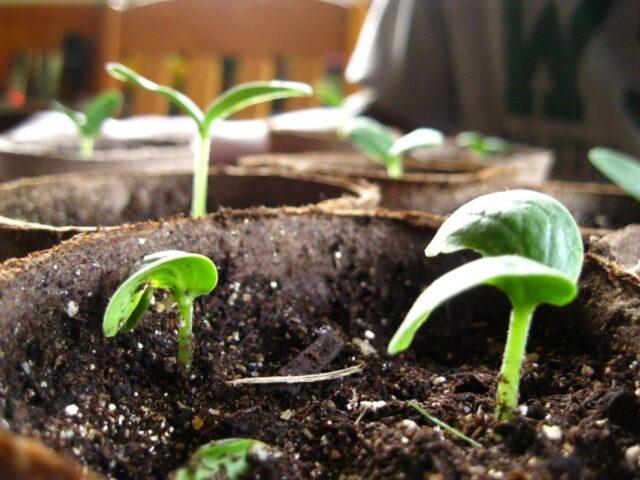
(228, 458)
(621, 169)
(329, 93)
(378, 143)
(89, 122)
(532, 251)
(481, 144)
(185, 276)
(230, 102)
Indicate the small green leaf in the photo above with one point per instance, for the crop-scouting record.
(329, 92)
(185, 275)
(370, 137)
(420, 138)
(125, 74)
(222, 459)
(101, 108)
(523, 280)
(78, 118)
(481, 144)
(252, 93)
(516, 222)
(621, 169)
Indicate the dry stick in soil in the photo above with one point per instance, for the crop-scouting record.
(89, 122)
(532, 251)
(233, 100)
(378, 143)
(185, 275)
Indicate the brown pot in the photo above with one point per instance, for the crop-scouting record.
(534, 164)
(423, 186)
(19, 160)
(37, 213)
(303, 291)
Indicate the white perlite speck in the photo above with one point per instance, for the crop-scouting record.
(552, 432)
(72, 308)
(373, 406)
(632, 456)
(71, 410)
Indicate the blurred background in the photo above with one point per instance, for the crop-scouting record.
(561, 74)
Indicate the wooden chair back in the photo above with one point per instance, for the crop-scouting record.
(204, 46)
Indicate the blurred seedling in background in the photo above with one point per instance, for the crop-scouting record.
(184, 275)
(621, 169)
(483, 145)
(532, 251)
(379, 144)
(233, 100)
(329, 92)
(89, 122)
(229, 458)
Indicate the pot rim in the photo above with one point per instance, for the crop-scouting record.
(361, 191)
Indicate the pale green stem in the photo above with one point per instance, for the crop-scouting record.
(394, 168)
(201, 175)
(185, 325)
(509, 379)
(86, 146)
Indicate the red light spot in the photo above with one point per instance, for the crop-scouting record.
(15, 97)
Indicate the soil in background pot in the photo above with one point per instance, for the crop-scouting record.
(294, 283)
(37, 213)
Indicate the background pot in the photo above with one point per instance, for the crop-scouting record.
(287, 278)
(425, 186)
(36, 213)
(534, 164)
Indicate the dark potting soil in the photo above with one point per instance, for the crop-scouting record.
(302, 294)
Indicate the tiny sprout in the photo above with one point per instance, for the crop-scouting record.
(481, 144)
(90, 121)
(230, 102)
(445, 426)
(227, 458)
(378, 143)
(185, 275)
(621, 169)
(329, 92)
(532, 251)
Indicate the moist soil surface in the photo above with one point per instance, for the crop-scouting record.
(304, 295)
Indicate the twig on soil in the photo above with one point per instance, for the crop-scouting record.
(442, 424)
(316, 377)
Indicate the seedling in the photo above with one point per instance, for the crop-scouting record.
(329, 92)
(227, 458)
(378, 143)
(532, 252)
(621, 169)
(230, 102)
(184, 275)
(89, 122)
(481, 144)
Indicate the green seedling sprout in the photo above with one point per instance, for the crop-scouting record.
(378, 143)
(532, 251)
(227, 458)
(233, 100)
(329, 92)
(89, 122)
(184, 275)
(482, 145)
(621, 169)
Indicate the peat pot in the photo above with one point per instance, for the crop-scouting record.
(426, 187)
(306, 291)
(533, 164)
(27, 159)
(36, 213)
